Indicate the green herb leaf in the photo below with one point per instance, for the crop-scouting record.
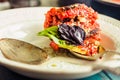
(52, 33)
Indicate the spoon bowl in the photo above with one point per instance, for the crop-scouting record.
(94, 57)
(21, 51)
(101, 52)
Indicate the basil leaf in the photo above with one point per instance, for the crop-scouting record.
(52, 33)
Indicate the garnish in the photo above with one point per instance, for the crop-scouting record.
(52, 33)
(56, 35)
(73, 34)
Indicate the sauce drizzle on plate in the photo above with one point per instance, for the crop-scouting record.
(107, 42)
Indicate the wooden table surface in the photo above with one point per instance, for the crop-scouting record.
(6, 74)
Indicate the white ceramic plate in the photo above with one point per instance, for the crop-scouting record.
(110, 2)
(24, 23)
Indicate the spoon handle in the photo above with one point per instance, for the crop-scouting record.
(114, 70)
(110, 62)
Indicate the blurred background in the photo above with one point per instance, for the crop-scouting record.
(106, 8)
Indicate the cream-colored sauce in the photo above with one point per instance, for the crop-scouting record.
(107, 42)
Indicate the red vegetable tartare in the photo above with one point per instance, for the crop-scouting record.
(76, 25)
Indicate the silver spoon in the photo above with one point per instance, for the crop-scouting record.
(25, 52)
(22, 51)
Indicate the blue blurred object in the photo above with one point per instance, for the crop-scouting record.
(68, 2)
(106, 9)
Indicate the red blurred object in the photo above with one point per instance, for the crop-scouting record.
(3, 0)
(116, 0)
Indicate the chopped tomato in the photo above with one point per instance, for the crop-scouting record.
(54, 46)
